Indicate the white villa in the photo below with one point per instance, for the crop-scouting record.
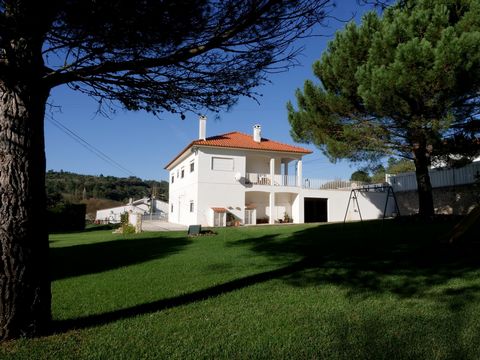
(235, 178)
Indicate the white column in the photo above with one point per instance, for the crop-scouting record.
(272, 171)
(299, 173)
(285, 171)
(298, 209)
(271, 220)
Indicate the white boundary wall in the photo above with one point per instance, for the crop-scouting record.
(441, 177)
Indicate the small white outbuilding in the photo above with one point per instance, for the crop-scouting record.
(158, 210)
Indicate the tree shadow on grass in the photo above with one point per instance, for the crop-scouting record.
(147, 308)
(87, 229)
(406, 261)
(93, 258)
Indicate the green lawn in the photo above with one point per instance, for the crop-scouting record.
(359, 291)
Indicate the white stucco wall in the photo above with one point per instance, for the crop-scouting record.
(258, 164)
(219, 188)
(371, 204)
(161, 206)
(298, 209)
(283, 204)
(183, 191)
(259, 200)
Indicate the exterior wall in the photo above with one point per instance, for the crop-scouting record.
(258, 164)
(161, 206)
(219, 188)
(259, 200)
(439, 177)
(371, 204)
(283, 204)
(458, 200)
(298, 215)
(184, 190)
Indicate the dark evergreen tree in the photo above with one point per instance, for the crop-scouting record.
(360, 175)
(404, 83)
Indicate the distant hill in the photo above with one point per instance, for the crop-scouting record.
(99, 191)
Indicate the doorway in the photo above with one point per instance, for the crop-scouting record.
(315, 210)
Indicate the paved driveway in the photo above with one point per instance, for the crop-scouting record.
(157, 225)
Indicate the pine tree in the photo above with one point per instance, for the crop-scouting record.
(404, 83)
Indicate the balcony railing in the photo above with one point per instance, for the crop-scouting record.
(307, 183)
(323, 184)
(266, 179)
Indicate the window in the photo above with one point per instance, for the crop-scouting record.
(192, 166)
(183, 173)
(222, 164)
(178, 173)
(191, 206)
(173, 179)
(171, 208)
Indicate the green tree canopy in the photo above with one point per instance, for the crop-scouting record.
(360, 175)
(405, 83)
(376, 173)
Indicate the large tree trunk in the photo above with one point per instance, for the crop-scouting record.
(24, 282)
(425, 198)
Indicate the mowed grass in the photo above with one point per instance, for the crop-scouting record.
(356, 291)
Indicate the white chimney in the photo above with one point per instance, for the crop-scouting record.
(257, 133)
(202, 127)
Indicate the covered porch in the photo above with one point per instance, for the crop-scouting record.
(278, 171)
(271, 207)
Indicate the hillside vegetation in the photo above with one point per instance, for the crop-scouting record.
(99, 192)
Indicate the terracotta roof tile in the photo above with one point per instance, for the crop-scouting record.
(238, 140)
(219, 209)
(243, 141)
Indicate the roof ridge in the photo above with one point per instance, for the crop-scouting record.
(241, 140)
(263, 138)
(215, 136)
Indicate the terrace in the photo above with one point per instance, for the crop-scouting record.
(296, 181)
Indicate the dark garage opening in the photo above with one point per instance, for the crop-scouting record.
(315, 210)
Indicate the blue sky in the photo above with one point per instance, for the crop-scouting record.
(144, 144)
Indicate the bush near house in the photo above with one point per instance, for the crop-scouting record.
(66, 217)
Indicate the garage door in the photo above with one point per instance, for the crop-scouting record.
(315, 210)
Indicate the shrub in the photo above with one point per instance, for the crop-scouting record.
(127, 228)
(66, 217)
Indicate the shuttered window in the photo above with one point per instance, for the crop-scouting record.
(222, 164)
